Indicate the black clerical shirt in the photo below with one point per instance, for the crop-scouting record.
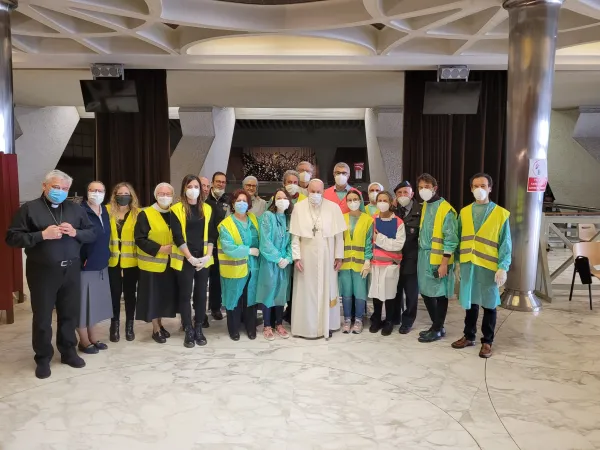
(37, 215)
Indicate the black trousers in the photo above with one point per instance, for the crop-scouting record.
(54, 286)
(390, 307)
(408, 290)
(242, 312)
(268, 319)
(123, 281)
(488, 324)
(288, 311)
(188, 280)
(214, 300)
(437, 307)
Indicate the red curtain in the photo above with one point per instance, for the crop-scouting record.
(11, 260)
(453, 148)
(135, 147)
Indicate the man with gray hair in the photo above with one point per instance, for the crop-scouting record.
(52, 229)
(337, 194)
(250, 185)
(305, 173)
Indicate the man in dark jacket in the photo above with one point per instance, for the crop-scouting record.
(409, 210)
(219, 202)
(52, 229)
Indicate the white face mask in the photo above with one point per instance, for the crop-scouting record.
(480, 194)
(341, 180)
(96, 198)
(315, 199)
(192, 193)
(373, 196)
(165, 202)
(283, 203)
(292, 189)
(383, 206)
(354, 205)
(403, 201)
(426, 194)
(305, 177)
(218, 192)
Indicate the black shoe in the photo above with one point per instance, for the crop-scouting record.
(164, 333)
(42, 371)
(376, 325)
(423, 333)
(252, 335)
(330, 333)
(129, 334)
(100, 345)
(114, 331)
(387, 329)
(73, 360)
(190, 337)
(89, 350)
(158, 337)
(404, 329)
(205, 323)
(217, 314)
(235, 337)
(199, 336)
(431, 336)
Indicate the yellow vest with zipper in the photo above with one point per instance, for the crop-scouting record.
(126, 257)
(177, 255)
(159, 233)
(354, 247)
(481, 248)
(232, 267)
(437, 241)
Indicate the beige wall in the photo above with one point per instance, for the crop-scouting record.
(573, 173)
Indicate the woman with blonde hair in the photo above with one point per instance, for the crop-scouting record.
(122, 266)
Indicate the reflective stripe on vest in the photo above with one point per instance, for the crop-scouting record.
(437, 241)
(383, 257)
(159, 233)
(126, 257)
(233, 267)
(177, 256)
(481, 248)
(354, 247)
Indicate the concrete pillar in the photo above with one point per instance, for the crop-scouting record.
(206, 142)
(383, 127)
(533, 26)
(7, 128)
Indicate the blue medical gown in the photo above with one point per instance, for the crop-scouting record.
(232, 288)
(478, 284)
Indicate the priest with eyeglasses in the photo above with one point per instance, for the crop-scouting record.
(317, 228)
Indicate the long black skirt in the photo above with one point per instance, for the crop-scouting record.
(157, 295)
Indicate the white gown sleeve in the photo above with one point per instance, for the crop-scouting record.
(339, 246)
(296, 255)
(392, 245)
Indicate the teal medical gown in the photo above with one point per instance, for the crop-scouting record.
(350, 283)
(372, 210)
(275, 243)
(478, 284)
(428, 284)
(232, 288)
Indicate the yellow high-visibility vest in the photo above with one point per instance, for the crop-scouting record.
(354, 247)
(232, 267)
(159, 233)
(481, 248)
(177, 255)
(437, 241)
(126, 257)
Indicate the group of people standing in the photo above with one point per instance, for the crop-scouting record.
(307, 247)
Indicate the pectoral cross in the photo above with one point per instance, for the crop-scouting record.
(314, 230)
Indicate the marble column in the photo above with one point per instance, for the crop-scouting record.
(383, 127)
(533, 26)
(7, 128)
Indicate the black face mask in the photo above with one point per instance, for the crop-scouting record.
(123, 200)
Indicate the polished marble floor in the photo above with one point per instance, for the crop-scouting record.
(541, 390)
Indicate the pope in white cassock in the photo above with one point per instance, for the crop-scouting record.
(317, 230)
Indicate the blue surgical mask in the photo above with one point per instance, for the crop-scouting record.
(57, 195)
(241, 207)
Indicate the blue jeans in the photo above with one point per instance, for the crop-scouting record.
(360, 307)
